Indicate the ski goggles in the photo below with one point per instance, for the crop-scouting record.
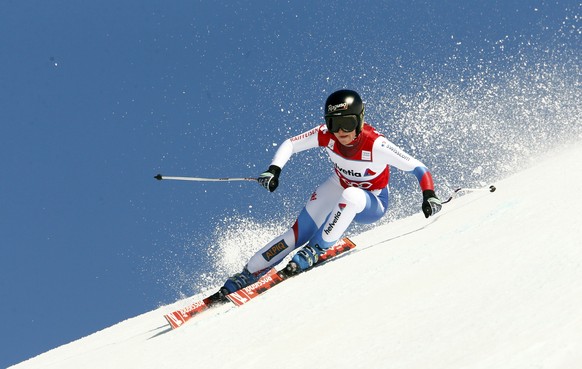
(346, 123)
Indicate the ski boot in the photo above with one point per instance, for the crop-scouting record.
(241, 280)
(304, 259)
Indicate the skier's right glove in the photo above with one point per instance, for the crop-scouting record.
(270, 178)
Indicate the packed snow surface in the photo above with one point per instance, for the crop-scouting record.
(493, 281)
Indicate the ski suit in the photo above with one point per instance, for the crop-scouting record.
(357, 191)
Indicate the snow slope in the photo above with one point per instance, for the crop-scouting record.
(494, 281)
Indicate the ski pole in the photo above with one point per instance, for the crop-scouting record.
(461, 189)
(159, 177)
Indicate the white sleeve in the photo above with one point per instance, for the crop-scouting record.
(395, 156)
(304, 141)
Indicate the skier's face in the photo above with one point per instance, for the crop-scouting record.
(345, 138)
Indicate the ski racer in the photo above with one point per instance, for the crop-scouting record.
(356, 191)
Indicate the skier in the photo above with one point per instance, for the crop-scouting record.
(356, 191)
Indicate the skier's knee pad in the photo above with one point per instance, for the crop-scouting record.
(355, 197)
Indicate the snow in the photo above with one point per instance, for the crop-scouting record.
(493, 281)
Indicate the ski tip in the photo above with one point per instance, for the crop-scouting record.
(492, 188)
(158, 177)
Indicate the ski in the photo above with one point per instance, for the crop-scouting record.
(273, 277)
(178, 317)
(248, 293)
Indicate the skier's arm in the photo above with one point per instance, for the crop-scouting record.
(307, 140)
(401, 160)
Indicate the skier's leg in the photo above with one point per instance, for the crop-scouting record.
(376, 207)
(354, 204)
(307, 223)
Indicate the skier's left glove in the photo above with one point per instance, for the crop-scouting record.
(270, 178)
(430, 203)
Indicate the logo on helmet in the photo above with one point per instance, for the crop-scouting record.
(333, 108)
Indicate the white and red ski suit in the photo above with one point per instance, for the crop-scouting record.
(357, 191)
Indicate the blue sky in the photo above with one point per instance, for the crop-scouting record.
(98, 97)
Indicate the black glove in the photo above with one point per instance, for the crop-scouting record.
(430, 203)
(270, 178)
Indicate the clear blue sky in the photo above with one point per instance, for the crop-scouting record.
(98, 97)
